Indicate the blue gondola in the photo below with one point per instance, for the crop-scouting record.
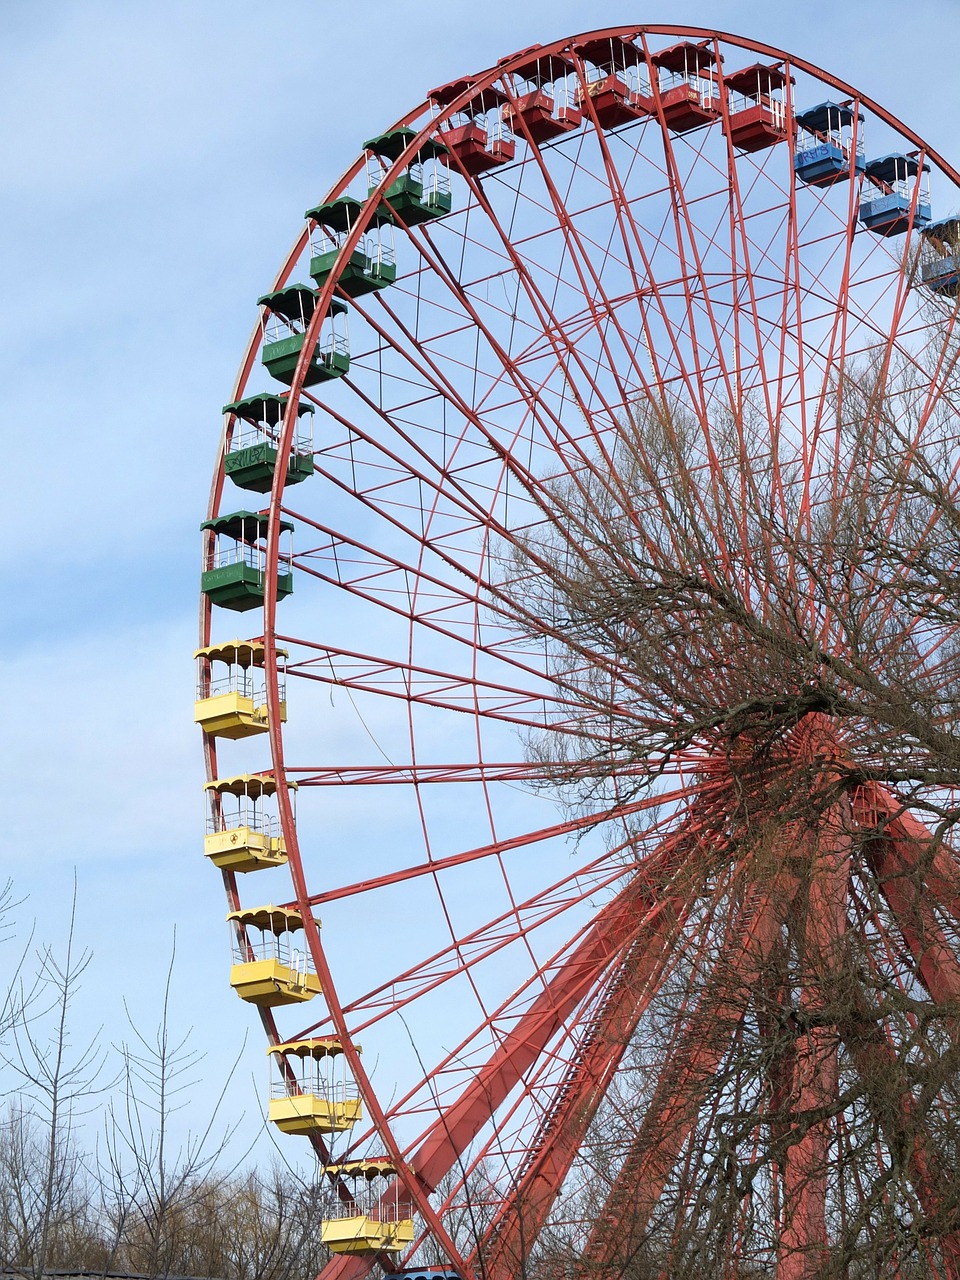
(426, 1273)
(825, 144)
(891, 192)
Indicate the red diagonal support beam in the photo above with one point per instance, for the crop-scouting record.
(507, 1243)
(896, 863)
(684, 1082)
(579, 975)
(803, 1239)
(935, 862)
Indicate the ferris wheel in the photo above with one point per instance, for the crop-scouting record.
(540, 509)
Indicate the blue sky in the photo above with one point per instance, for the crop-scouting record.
(157, 159)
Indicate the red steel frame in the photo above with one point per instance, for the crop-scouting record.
(555, 1045)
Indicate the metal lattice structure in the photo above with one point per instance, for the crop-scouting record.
(643, 918)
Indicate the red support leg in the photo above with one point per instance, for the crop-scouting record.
(912, 873)
(897, 864)
(534, 1192)
(803, 1240)
(621, 1226)
(903, 1130)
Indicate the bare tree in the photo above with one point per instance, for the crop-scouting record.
(276, 1232)
(719, 585)
(775, 622)
(154, 1178)
(58, 1084)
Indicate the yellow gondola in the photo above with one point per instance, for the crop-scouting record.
(311, 1094)
(373, 1223)
(243, 836)
(234, 704)
(267, 971)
